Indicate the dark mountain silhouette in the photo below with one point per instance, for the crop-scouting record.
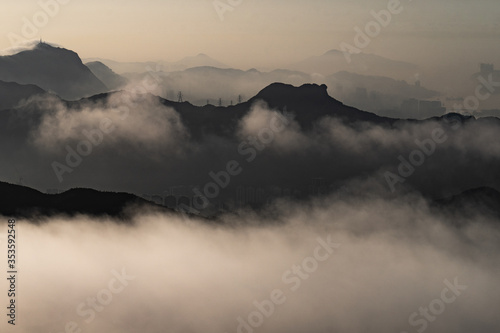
(11, 93)
(112, 80)
(53, 69)
(309, 103)
(24, 202)
(370, 93)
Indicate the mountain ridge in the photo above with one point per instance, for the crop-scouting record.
(24, 202)
(12, 93)
(53, 69)
(112, 80)
(19, 201)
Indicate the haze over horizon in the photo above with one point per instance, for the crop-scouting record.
(265, 34)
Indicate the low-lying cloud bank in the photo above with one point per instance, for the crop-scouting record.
(342, 264)
(140, 121)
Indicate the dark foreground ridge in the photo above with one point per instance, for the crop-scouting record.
(23, 202)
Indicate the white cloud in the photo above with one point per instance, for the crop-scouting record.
(191, 276)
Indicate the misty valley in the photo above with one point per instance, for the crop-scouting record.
(345, 192)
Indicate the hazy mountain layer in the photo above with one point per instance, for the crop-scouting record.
(112, 80)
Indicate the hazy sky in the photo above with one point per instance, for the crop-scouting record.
(260, 32)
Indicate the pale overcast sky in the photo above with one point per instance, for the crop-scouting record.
(260, 32)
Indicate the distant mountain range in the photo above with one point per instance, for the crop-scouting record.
(194, 61)
(200, 84)
(326, 64)
(112, 80)
(334, 61)
(164, 66)
(203, 80)
(56, 70)
(376, 93)
(208, 82)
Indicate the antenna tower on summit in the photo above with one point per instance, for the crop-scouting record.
(180, 99)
